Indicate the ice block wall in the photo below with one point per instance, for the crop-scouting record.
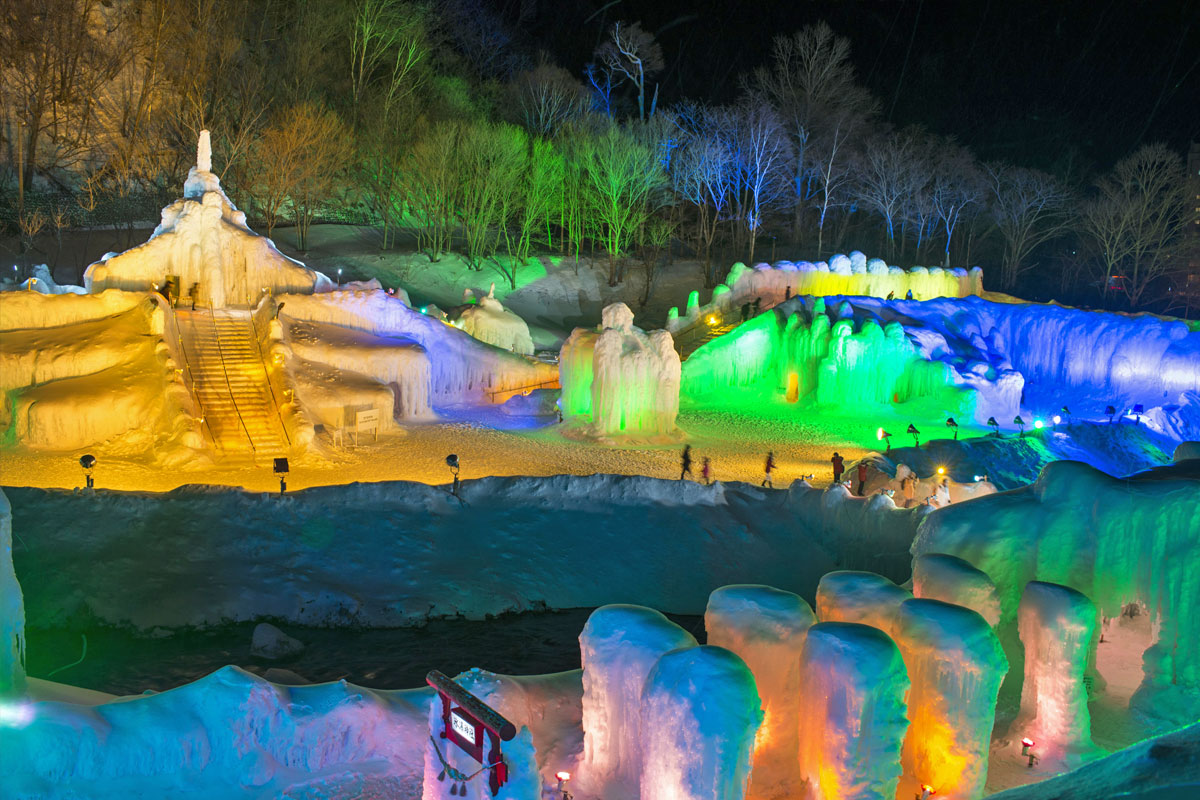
(853, 275)
(853, 686)
(766, 627)
(956, 665)
(1058, 628)
(1116, 541)
(12, 611)
(618, 647)
(864, 597)
(937, 576)
(700, 716)
(634, 377)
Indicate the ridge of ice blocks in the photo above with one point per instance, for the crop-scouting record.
(766, 627)
(12, 612)
(1118, 541)
(700, 711)
(937, 576)
(1058, 628)
(203, 240)
(489, 321)
(618, 647)
(620, 379)
(956, 665)
(849, 596)
(853, 686)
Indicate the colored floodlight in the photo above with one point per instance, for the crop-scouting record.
(950, 423)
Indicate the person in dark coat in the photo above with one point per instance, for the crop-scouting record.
(685, 461)
(862, 477)
(768, 468)
(838, 467)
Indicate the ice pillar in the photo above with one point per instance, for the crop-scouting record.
(1058, 629)
(12, 611)
(618, 647)
(956, 665)
(848, 596)
(766, 627)
(700, 716)
(853, 687)
(937, 576)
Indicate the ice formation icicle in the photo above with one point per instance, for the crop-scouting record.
(848, 596)
(766, 627)
(12, 611)
(937, 576)
(852, 721)
(1058, 628)
(700, 713)
(633, 377)
(618, 647)
(956, 665)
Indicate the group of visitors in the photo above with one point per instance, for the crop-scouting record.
(170, 292)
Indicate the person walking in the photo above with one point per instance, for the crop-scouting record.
(908, 295)
(768, 468)
(685, 461)
(862, 478)
(838, 467)
(706, 471)
(194, 293)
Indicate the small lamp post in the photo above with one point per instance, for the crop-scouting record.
(1111, 411)
(1020, 423)
(452, 463)
(886, 438)
(88, 462)
(995, 426)
(950, 423)
(916, 434)
(281, 469)
(1066, 412)
(1138, 410)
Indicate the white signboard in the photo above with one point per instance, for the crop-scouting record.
(463, 727)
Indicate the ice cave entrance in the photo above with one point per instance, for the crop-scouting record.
(1124, 641)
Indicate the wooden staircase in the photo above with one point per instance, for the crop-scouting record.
(231, 385)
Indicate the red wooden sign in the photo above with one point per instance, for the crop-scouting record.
(466, 720)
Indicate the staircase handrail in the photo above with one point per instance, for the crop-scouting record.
(191, 382)
(228, 385)
(267, 372)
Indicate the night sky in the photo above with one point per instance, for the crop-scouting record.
(1068, 85)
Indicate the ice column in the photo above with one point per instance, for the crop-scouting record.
(853, 686)
(956, 665)
(938, 576)
(618, 647)
(1058, 629)
(848, 596)
(700, 714)
(12, 611)
(766, 627)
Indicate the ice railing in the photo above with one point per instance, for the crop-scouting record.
(853, 275)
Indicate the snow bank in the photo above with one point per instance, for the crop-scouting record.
(203, 240)
(226, 735)
(462, 369)
(766, 627)
(852, 691)
(618, 647)
(1058, 628)
(25, 310)
(773, 285)
(863, 597)
(395, 553)
(956, 666)
(490, 322)
(621, 381)
(43, 282)
(12, 612)
(937, 576)
(701, 705)
(1116, 541)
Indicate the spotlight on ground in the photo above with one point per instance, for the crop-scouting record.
(1111, 411)
(1020, 423)
(1138, 410)
(950, 423)
(1057, 419)
(916, 434)
(1066, 412)
(281, 469)
(995, 426)
(452, 463)
(885, 437)
(88, 462)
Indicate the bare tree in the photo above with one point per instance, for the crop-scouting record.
(1028, 207)
(766, 161)
(633, 53)
(389, 46)
(491, 159)
(432, 187)
(888, 172)
(704, 174)
(549, 97)
(956, 185)
(1138, 217)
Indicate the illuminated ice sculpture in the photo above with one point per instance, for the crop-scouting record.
(622, 379)
(938, 576)
(852, 690)
(700, 715)
(766, 627)
(863, 597)
(1058, 630)
(618, 647)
